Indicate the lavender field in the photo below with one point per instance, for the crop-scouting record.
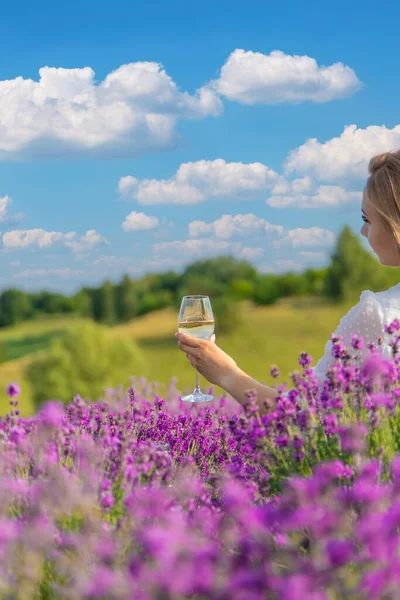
(143, 497)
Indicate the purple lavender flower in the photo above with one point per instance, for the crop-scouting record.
(85, 488)
(352, 437)
(394, 326)
(374, 366)
(13, 390)
(339, 552)
(305, 359)
(51, 413)
(101, 583)
(274, 371)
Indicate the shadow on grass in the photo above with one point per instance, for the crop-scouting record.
(13, 349)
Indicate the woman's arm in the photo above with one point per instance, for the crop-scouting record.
(238, 383)
(220, 369)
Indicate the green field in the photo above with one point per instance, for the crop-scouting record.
(268, 335)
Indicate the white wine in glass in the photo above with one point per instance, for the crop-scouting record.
(196, 319)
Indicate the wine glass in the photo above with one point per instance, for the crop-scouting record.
(196, 319)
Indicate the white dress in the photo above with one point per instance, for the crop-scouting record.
(367, 318)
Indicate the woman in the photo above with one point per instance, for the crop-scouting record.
(381, 216)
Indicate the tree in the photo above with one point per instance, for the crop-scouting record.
(352, 269)
(267, 289)
(315, 281)
(222, 269)
(83, 303)
(126, 299)
(85, 361)
(104, 309)
(46, 302)
(242, 289)
(204, 284)
(228, 314)
(15, 306)
(154, 301)
(293, 284)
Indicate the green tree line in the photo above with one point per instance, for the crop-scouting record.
(225, 279)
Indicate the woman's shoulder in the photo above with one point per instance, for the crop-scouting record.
(390, 296)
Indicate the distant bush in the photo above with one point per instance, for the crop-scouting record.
(268, 290)
(228, 314)
(154, 301)
(15, 306)
(87, 359)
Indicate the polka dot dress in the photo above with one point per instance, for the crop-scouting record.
(366, 319)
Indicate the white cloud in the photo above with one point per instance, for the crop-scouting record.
(233, 226)
(44, 273)
(268, 268)
(196, 182)
(288, 264)
(324, 196)
(197, 248)
(193, 247)
(313, 236)
(281, 265)
(86, 242)
(5, 217)
(4, 204)
(318, 256)
(138, 221)
(228, 226)
(252, 78)
(346, 156)
(160, 263)
(296, 186)
(247, 253)
(112, 260)
(33, 237)
(134, 109)
(40, 238)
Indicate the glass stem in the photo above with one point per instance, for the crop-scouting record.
(197, 389)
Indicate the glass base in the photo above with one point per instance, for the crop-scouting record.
(197, 397)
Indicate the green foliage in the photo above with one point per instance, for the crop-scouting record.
(15, 306)
(293, 284)
(85, 361)
(228, 314)
(267, 290)
(83, 303)
(202, 284)
(242, 289)
(224, 279)
(48, 303)
(104, 304)
(352, 269)
(154, 301)
(223, 269)
(126, 299)
(315, 279)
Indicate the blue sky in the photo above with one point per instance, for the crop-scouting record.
(160, 133)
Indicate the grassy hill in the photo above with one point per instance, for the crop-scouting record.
(268, 335)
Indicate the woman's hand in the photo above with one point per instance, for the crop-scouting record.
(208, 359)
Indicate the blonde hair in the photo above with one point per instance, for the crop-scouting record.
(383, 190)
